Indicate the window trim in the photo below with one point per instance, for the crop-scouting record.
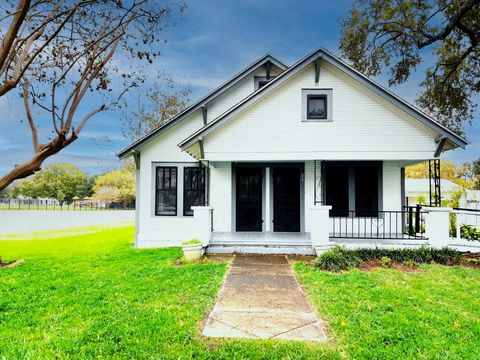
(156, 212)
(306, 94)
(201, 168)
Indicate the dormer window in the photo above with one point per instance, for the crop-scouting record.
(261, 81)
(316, 105)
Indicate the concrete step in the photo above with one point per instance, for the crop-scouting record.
(259, 249)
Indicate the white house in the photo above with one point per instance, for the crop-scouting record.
(260, 157)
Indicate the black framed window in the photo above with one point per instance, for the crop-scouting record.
(166, 191)
(366, 190)
(193, 188)
(353, 189)
(317, 106)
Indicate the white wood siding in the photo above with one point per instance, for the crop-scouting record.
(221, 196)
(154, 231)
(392, 186)
(363, 127)
(234, 95)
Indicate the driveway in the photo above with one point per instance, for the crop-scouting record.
(20, 221)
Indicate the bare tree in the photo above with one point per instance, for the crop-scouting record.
(161, 102)
(56, 52)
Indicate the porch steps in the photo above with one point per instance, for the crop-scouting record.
(225, 248)
(260, 243)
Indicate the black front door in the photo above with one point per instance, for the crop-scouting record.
(286, 199)
(249, 199)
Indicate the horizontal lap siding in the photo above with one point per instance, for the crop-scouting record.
(172, 230)
(363, 126)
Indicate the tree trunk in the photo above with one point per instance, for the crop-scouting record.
(30, 167)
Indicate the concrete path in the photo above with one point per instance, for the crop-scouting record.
(261, 298)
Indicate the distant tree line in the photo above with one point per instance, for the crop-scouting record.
(66, 182)
(466, 175)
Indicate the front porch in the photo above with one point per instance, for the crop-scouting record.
(301, 242)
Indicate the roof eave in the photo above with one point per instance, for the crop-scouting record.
(207, 98)
(455, 139)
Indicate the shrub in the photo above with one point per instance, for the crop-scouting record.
(385, 261)
(338, 259)
(410, 263)
(192, 242)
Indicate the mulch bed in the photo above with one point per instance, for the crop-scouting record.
(468, 259)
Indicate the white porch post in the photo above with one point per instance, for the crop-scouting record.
(202, 223)
(437, 226)
(268, 216)
(320, 228)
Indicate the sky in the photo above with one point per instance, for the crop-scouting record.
(210, 42)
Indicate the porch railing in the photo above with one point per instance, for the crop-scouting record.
(465, 224)
(405, 224)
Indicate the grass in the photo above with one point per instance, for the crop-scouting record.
(94, 296)
(387, 314)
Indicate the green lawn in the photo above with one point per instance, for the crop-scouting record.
(93, 296)
(386, 314)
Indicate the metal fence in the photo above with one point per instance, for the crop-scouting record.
(52, 204)
(405, 224)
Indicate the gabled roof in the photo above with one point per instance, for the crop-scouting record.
(323, 54)
(203, 101)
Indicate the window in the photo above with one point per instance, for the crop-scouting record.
(193, 188)
(166, 191)
(366, 190)
(316, 106)
(353, 189)
(337, 189)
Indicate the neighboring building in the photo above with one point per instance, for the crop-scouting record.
(274, 141)
(415, 188)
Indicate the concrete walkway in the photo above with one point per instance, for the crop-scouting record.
(261, 298)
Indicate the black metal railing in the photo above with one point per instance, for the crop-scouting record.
(405, 224)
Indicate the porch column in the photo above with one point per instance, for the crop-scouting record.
(202, 223)
(268, 216)
(437, 226)
(320, 228)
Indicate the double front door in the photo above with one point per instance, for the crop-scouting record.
(251, 198)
